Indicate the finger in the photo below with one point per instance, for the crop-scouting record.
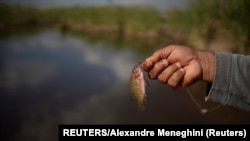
(158, 68)
(150, 61)
(175, 79)
(157, 56)
(167, 72)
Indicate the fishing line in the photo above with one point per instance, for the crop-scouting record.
(203, 110)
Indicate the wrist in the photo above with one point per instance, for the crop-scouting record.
(208, 64)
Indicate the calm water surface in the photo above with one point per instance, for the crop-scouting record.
(50, 78)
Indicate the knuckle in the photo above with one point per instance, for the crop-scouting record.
(156, 66)
(164, 62)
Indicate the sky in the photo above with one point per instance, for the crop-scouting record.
(159, 4)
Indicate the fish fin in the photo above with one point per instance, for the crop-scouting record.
(141, 104)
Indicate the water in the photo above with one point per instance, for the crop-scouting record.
(49, 78)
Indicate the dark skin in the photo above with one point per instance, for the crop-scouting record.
(180, 66)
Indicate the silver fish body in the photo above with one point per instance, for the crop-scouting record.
(138, 85)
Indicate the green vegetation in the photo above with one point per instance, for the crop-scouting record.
(214, 24)
(133, 17)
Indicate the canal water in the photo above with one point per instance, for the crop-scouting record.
(50, 78)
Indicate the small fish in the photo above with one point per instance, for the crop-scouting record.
(138, 85)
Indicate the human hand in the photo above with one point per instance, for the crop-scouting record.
(180, 66)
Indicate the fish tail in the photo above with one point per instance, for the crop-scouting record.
(141, 107)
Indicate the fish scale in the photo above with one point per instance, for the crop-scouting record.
(138, 87)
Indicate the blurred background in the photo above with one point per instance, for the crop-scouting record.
(69, 62)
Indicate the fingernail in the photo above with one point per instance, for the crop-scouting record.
(165, 62)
